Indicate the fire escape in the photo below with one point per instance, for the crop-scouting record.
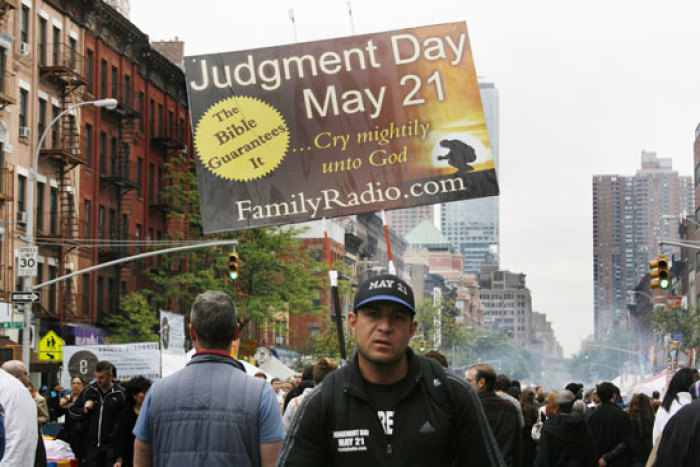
(6, 173)
(62, 66)
(121, 176)
(165, 139)
(5, 10)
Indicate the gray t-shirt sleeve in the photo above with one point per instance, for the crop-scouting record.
(270, 426)
(141, 429)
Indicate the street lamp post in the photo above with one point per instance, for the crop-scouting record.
(29, 238)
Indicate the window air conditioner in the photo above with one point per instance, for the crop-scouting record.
(22, 217)
(25, 132)
(24, 47)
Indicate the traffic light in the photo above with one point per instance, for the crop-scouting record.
(422, 346)
(658, 273)
(664, 276)
(233, 266)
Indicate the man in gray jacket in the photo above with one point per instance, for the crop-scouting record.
(210, 412)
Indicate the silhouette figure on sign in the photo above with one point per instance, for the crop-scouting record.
(459, 156)
(52, 342)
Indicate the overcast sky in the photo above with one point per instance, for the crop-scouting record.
(584, 88)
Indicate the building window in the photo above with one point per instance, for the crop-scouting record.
(3, 70)
(41, 123)
(115, 82)
(21, 193)
(90, 58)
(160, 184)
(152, 117)
(139, 177)
(72, 50)
(112, 224)
(182, 129)
(171, 125)
(40, 188)
(114, 166)
(87, 206)
(151, 183)
(142, 99)
(160, 120)
(103, 79)
(42, 41)
(53, 210)
(127, 90)
(101, 222)
(52, 290)
(23, 102)
(56, 128)
(125, 226)
(24, 25)
(86, 294)
(103, 153)
(57, 47)
(88, 144)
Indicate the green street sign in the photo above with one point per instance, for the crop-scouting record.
(11, 325)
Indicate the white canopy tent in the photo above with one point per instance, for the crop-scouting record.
(276, 368)
(651, 384)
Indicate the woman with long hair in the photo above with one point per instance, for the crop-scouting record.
(677, 396)
(530, 416)
(641, 413)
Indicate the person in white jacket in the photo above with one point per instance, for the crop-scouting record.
(21, 432)
(677, 395)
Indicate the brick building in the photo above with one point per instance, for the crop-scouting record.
(100, 172)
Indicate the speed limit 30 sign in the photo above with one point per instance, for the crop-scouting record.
(26, 261)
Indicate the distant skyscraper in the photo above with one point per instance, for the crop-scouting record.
(403, 221)
(472, 226)
(628, 223)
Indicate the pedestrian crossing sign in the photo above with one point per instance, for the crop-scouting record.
(51, 348)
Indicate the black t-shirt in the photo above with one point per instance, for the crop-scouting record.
(385, 398)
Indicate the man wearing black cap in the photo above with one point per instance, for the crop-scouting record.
(389, 406)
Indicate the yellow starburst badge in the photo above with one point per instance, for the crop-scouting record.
(241, 138)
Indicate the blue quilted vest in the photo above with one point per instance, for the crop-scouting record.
(206, 415)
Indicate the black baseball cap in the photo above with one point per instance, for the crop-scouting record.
(385, 287)
(574, 387)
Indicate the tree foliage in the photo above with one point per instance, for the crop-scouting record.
(136, 321)
(464, 343)
(605, 357)
(325, 344)
(673, 321)
(275, 272)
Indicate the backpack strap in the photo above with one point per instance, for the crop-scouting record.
(435, 381)
(332, 404)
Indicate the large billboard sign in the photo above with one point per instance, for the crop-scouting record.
(337, 127)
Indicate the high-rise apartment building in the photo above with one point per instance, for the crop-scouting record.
(472, 226)
(507, 303)
(630, 217)
(402, 221)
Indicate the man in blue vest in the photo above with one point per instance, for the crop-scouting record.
(210, 412)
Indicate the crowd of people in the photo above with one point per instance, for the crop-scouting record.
(386, 406)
